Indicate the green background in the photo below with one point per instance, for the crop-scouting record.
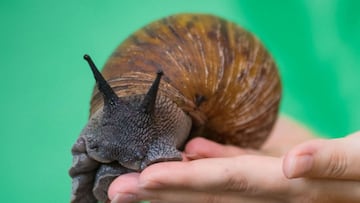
(46, 85)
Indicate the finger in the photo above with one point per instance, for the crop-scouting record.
(198, 148)
(124, 188)
(336, 158)
(312, 190)
(181, 196)
(241, 174)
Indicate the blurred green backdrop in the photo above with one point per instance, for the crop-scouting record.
(46, 85)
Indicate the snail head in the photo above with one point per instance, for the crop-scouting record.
(137, 130)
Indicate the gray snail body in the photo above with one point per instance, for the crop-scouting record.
(218, 82)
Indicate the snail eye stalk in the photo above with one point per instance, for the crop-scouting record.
(110, 98)
(148, 104)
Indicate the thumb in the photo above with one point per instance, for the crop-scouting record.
(334, 158)
(198, 148)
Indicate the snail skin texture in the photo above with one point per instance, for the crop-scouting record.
(182, 76)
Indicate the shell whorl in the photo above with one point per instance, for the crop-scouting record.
(218, 73)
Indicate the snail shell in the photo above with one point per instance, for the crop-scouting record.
(219, 82)
(215, 71)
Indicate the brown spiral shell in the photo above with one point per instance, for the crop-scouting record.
(218, 73)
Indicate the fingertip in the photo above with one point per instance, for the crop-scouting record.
(298, 162)
(127, 183)
(162, 175)
(194, 144)
(148, 175)
(297, 166)
(198, 148)
(286, 166)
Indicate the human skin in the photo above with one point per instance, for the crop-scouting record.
(292, 166)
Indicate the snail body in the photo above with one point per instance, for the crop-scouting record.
(218, 82)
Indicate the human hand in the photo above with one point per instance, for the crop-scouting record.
(244, 178)
(230, 174)
(325, 159)
(207, 179)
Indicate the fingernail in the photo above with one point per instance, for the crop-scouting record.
(298, 166)
(124, 198)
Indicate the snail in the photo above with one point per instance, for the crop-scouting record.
(179, 77)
